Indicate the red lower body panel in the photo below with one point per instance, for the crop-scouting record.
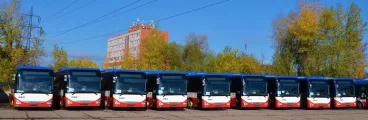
(245, 104)
(77, 104)
(288, 105)
(22, 104)
(160, 104)
(317, 106)
(206, 105)
(118, 104)
(344, 105)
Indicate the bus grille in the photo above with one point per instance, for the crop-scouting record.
(131, 102)
(173, 103)
(35, 102)
(257, 102)
(84, 101)
(217, 103)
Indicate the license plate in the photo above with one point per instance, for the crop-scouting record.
(83, 104)
(218, 106)
(33, 106)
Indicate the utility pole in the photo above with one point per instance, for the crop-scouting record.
(29, 27)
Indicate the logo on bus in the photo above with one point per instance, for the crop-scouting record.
(165, 98)
(121, 97)
(210, 99)
(22, 96)
(74, 96)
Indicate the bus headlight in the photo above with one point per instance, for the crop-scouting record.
(227, 103)
(69, 102)
(160, 103)
(205, 104)
(143, 103)
(185, 103)
(98, 102)
(279, 103)
(117, 102)
(48, 102)
(17, 102)
(245, 103)
(311, 104)
(338, 103)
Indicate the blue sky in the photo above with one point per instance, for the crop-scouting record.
(233, 23)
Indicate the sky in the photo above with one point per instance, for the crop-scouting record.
(234, 23)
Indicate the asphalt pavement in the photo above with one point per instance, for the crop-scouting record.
(186, 114)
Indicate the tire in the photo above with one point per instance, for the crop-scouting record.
(359, 105)
(190, 104)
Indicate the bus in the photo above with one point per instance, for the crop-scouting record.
(343, 93)
(208, 91)
(78, 87)
(361, 91)
(315, 92)
(33, 87)
(166, 90)
(124, 88)
(249, 91)
(284, 92)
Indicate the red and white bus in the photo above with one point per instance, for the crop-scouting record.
(208, 91)
(361, 92)
(166, 90)
(249, 91)
(284, 92)
(316, 92)
(343, 93)
(78, 87)
(124, 88)
(33, 87)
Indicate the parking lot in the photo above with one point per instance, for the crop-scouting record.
(186, 114)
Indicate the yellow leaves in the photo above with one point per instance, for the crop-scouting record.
(82, 63)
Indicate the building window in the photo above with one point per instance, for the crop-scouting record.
(133, 49)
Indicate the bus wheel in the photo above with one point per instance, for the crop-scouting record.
(190, 104)
(359, 105)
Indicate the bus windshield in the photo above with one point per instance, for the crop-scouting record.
(172, 85)
(255, 86)
(345, 89)
(35, 81)
(130, 84)
(84, 82)
(288, 88)
(319, 89)
(217, 86)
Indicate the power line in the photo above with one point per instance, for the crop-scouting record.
(166, 18)
(63, 9)
(183, 13)
(52, 1)
(92, 21)
(72, 11)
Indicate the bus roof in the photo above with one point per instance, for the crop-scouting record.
(121, 71)
(81, 69)
(318, 78)
(290, 77)
(33, 67)
(207, 75)
(163, 73)
(342, 79)
(360, 82)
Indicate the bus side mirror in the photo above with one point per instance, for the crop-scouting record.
(65, 78)
(13, 77)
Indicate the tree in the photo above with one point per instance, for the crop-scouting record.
(128, 63)
(173, 55)
(13, 52)
(60, 58)
(195, 53)
(82, 63)
(320, 41)
(152, 52)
